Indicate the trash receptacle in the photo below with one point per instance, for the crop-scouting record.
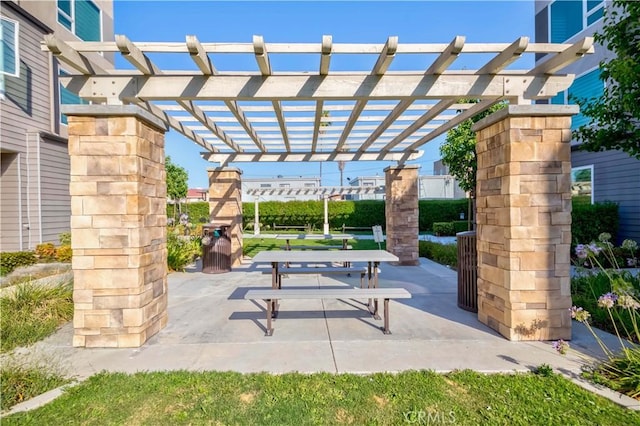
(216, 248)
(467, 271)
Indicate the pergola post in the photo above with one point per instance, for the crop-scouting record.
(401, 211)
(524, 221)
(325, 226)
(225, 205)
(118, 225)
(256, 219)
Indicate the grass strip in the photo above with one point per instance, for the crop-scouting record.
(31, 312)
(417, 397)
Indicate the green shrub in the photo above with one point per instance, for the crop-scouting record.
(590, 220)
(443, 228)
(431, 211)
(12, 260)
(65, 238)
(181, 251)
(445, 254)
(460, 226)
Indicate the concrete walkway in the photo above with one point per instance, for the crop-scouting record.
(212, 327)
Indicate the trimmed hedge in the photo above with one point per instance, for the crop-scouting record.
(590, 220)
(443, 228)
(12, 260)
(198, 212)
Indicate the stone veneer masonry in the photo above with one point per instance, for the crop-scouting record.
(401, 211)
(118, 225)
(524, 221)
(225, 205)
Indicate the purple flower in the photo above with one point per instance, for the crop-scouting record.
(607, 300)
(593, 248)
(561, 346)
(581, 251)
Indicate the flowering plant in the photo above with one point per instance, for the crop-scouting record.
(621, 371)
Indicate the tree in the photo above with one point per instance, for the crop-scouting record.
(459, 153)
(176, 183)
(615, 116)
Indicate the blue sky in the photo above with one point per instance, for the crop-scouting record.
(307, 21)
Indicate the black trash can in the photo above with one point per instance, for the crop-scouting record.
(467, 271)
(216, 248)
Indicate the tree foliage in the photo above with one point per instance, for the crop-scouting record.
(176, 180)
(459, 151)
(615, 117)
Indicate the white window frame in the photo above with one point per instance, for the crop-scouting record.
(16, 47)
(585, 15)
(589, 167)
(72, 18)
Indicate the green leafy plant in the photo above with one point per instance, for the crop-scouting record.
(590, 220)
(443, 228)
(621, 370)
(21, 381)
(64, 253)
(9, 261)
(181, 251)
(65, 238)
(445, 254)
(46, 251)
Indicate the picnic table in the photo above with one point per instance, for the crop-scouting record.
(373, 258)
(288, 237)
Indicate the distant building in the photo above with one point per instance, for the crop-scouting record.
(429, 187)
(196, 195)
(281, 188)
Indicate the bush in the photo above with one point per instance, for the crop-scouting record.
(181, 251)
(590, 220)
(65, 238)
(443, 228)
(46, 251)
(64, 253)
(460, 226)
(445, 254)
(12, 260)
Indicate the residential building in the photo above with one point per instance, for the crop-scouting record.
(282, 188)
(429, 187)
(600, 176)
(35, 204)
(197, 195)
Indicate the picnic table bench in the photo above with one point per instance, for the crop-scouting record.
(306, 228)
(272, 296)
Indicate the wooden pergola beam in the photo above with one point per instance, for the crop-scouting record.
(135, 56)
(566, 57)
(260, 50)
(225, 158)
(277, 108)
(506, 57)
(70, 56)
(199, 56)
(202, 117)
(325, 57)
(447, 57)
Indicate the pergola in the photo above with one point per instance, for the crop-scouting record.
(314, 112)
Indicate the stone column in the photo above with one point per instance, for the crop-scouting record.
(225, 205)
(524, 221)
(401, 211)
(118, 225)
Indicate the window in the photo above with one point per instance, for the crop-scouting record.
(582, 184)
(265, 185)
(586, 86)
(67, 97)
(9, 47)
(568, 17)
(81, 17)
(285, 185)
(309, 185)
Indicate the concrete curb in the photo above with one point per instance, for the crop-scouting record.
(39, 401)
(613, 396)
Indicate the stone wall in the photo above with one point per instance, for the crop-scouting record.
(524, 221)
(401, 211)
(118, 226)
(225, 205)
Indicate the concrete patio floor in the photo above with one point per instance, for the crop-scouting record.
(212, 327)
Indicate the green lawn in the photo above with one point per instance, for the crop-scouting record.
(253, 246)
(416, 397)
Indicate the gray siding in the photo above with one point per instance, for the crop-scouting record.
(616, 177)
(54, 186)
(10, 208)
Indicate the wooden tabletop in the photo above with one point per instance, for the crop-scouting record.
(314, 237)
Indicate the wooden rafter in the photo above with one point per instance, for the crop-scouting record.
(380, 114)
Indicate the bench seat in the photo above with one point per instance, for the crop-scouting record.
(271, 297)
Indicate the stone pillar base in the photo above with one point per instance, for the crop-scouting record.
(401, 211)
